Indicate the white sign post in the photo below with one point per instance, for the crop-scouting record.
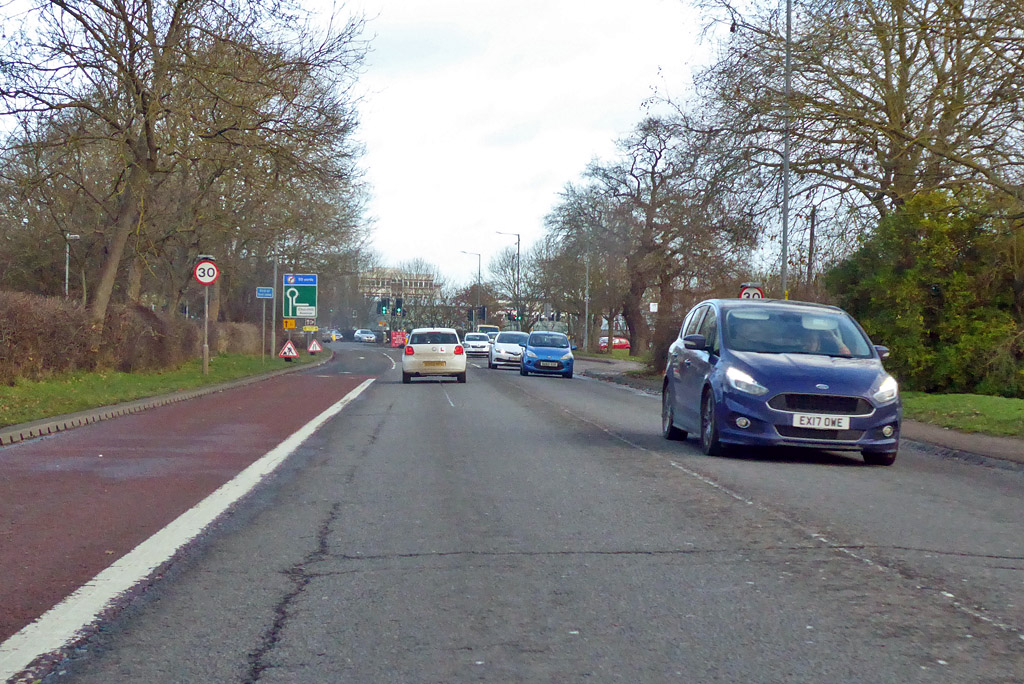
(206, 274)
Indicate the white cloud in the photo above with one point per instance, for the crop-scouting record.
(477, 114)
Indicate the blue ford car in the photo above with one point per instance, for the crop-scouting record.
(780, 373)
(547, 353)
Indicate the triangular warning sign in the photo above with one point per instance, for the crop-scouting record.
(288, 351)
(314, 347)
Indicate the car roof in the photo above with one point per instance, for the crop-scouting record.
(423, 330)
(791, 304)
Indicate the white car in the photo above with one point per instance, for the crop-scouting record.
(363, 335)
(433, 351)
(507, 349)
(477, 343)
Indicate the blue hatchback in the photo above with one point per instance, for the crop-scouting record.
(780, 373)
(547, 353)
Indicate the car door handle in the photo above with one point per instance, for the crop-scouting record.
(686, 362)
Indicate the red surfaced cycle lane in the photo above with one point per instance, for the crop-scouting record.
(73, 503)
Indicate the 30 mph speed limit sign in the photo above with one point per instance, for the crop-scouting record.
(206, 272)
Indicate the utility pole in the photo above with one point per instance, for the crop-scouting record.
(785, 159)
(476, 311)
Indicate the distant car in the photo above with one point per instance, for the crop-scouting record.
(477, 343)
(617, 343)
(507, 349)
(433, 351)
(547, 353)
(363, 335)
(330, 335)
(780, 373)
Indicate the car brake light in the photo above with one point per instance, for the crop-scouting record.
(408, 350)
(458, 349)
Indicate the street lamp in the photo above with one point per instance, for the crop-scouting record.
(785, 160)
(515, 294)
(68, 237)
(477, 310)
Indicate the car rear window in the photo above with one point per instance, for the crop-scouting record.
(477, 337)
(434, 338)
(512, 338)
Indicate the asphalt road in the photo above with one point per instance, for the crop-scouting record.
(537, 529)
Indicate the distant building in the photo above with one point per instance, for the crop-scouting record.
(393, 282)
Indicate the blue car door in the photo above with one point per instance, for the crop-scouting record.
(687, 406)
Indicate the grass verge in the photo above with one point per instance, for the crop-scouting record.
(28, 401)
(973, 413)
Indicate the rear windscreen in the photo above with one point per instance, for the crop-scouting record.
(434, 338)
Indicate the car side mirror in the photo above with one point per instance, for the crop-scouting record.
(574, 347)
(695, 342)
(523, 345)
(883, 352)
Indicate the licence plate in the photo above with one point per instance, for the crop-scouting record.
(819, 422)
(433, 363)
(548, 364)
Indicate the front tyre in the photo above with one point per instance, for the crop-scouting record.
(522, 370)
(668, 414)
(879, 458)
(567, 375)
(709, 441)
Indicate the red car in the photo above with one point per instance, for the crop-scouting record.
(617, 343)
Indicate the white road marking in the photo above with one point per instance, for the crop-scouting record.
(388, 357)
(65, 622)
(447, 397)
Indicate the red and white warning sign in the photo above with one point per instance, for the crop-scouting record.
(288, 351)
(314, 347)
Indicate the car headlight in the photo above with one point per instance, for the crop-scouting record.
(741, 381)
(888, 391)
(530, 354)
(567, 356)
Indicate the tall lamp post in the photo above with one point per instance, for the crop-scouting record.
(515, 294)
(68, 237)
(477, 309)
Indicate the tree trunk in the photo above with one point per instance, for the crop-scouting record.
(128, 216)
(134, 291)
(666, 326)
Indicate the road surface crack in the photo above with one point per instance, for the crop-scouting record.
(300, 577)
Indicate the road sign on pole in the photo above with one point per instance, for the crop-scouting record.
(264, 293)
(206, 273)
(751, 291)
(298, 295)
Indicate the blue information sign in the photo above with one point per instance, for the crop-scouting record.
(264, 293)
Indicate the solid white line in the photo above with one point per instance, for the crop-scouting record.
(63, 623)
(388, 357)
(447, 397)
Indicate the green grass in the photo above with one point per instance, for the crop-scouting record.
(27, 401)
(967, 412)
(620, 354)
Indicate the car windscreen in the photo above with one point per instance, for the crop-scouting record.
(548, 340)
(512, 338)
(434, 338)
(827, 333)
(477, 337)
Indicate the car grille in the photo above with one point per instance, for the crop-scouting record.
(821, 403)
(810, 433)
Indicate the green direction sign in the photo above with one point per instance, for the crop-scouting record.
(298, 296)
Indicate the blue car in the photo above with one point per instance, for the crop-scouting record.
(780, 373)
(547, 353)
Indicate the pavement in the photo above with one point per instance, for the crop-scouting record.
(1003, 448)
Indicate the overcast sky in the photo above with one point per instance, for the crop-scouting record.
(477, 113)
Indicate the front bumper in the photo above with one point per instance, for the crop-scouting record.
(507, 358)
(771, 427)
(559, 367)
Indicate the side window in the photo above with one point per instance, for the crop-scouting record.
(709, 329)
(693, 325)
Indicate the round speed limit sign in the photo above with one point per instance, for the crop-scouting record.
(206, 272)
(751, 292)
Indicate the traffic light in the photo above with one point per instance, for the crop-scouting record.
(399, 311)
(481, 314)
(385, 305)
(511, 315)
(469, 315)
